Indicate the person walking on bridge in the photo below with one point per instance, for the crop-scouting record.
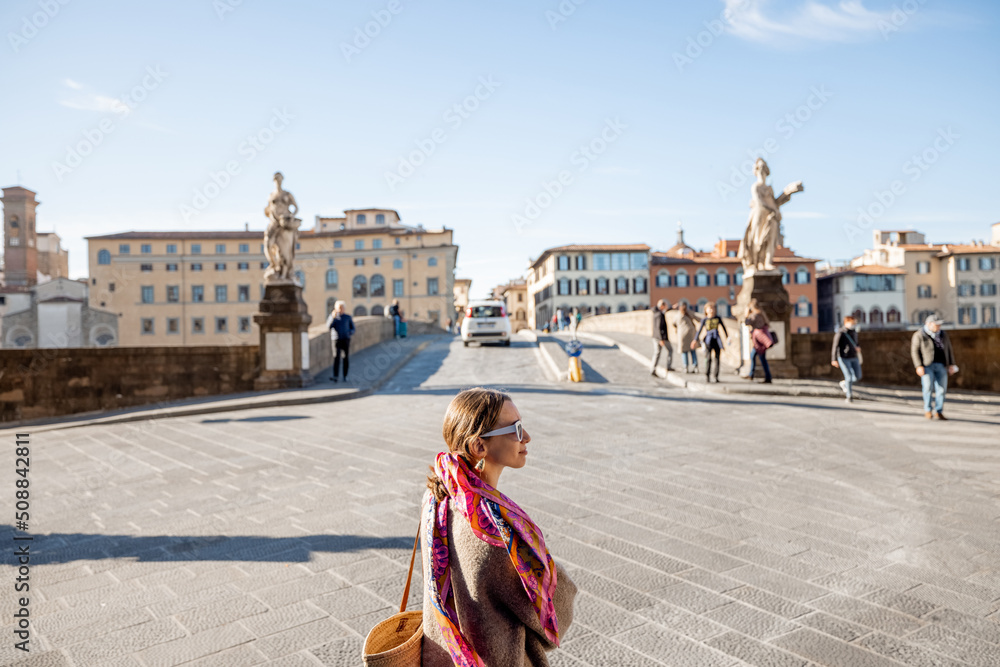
(846, 355)
(341, 326)
(934, 359)
(685, 326)
(714, 340)
(660, 340)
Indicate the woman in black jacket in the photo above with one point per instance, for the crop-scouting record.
(846, 355)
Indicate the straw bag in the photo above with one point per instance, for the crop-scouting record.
(396, 641)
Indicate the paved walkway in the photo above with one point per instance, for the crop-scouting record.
(701, 529)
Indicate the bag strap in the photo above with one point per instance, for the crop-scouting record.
(409, 576)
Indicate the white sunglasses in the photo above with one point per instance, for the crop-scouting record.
(513, 428)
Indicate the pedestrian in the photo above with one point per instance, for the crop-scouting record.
(760, 339)
(557, 320)
(341, 326)
(714, 342)
(661, 342)
(396, 317)
(448, 326)
(685, 328)
(493, 594)
(934, 359)
(846, 355)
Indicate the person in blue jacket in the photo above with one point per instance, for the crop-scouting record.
(341, 327)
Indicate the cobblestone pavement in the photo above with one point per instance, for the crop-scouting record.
(701, 530)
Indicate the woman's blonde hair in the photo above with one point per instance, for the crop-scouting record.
(470, 414)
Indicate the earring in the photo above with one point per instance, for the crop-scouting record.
(481, 464)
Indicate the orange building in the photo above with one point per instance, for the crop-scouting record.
(685, 275)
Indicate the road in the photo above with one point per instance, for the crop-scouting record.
(701, 530)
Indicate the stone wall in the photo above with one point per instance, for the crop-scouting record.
(368, 331)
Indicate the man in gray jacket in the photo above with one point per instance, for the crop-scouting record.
(934, 360)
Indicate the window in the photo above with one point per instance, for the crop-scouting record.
(221, 293)
(582, 287)
(147, 326)
(111, 287)
(858, 315)
(802, 276)
(803, 308)
(244, 324)
(171, 267)
(784, 275)
(721, 278)
(16, 240)
(221, 324)
(963, 264)
(359, 261)
(988, 289)
(376, 243)
(397, 287)
(146, 267)
(331, 279)
(601, 285)
(681, 279)
(243, 266)
(602, 261)
(701, 278)
(378, 285)
(397, 263)
(923, 291)
(300, 277)
(220, 248)
(621, 285)
(619, 261)
(220, 266)
(923, 267)
(337, 244)
(197, 293)
(563, 284)
(966, 314)
(244, 248)
(379, 218)
(563, 263)
(432, 286)
(197, 325)
(147, 294)
(172, 249)
(196, 266)
(638, 286)
(989, 314)
(865, 283)
(243, 292)
(738, 277)
(104, 257)
(173, 293)
(638, 261)
(361, 311)
(123, 249)
(581, 262)
(875, 317)
(432, 261)
(701, 305)
(359, 244)
(146, 248)
(722, 308)
(173, 325)
(663, 278)
(195, 248)
(359, 286)
(966, 289)
(893, 316)
(362, 219)
(397, 240)
(263, 265)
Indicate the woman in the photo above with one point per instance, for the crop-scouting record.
(685, 326)
(493, 594)
(341, 326)
(714, 341)
(846, 356)
(760, 339)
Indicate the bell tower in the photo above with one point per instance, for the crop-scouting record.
(20, 248)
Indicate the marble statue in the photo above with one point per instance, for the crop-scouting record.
(281, 234)
(763, 232)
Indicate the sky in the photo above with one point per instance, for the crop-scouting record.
(520, 125)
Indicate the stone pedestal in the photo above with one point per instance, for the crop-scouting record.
(766, 287)
(284, 337)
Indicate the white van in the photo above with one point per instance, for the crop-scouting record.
(486, 320)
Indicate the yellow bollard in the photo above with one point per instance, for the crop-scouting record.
(575, 370)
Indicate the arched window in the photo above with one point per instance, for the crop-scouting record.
(379, 219)
(621, 285)
(803, 308)
(331, 278)
(397, 263)
(377, 311)
(300, 278)
(859, 315)
(563, 287)
(722, 277)
(104, 257)
(330, 303)
(562, 264)
(784, 275)
(681, 278)
(875, 317)
(722, 308)
(701, 304)
(622, 308)
(638, 286)
(685, 302)
(663, 278)
(802, 276)
(378, 285)
(432, 261)
(701, 278)
(582, 286)
(738, 276)
(360, 311)
(892, 316)
(361, 219)
(359, 286)
(601, 285)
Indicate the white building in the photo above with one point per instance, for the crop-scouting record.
(874, 295)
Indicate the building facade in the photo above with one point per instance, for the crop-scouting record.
(515, 297)
(594, 278)
(54, 314)
(462, 288)
(875, 296)
(202, 288)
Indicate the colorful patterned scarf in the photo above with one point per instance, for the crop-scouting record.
(496, 520)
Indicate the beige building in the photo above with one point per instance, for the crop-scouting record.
(955, 282)
(515, 297)
(53, 259)
(462, 288)
(202, 288)
(593, 278)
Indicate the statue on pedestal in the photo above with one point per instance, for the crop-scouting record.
(281, 234)
(764, 226)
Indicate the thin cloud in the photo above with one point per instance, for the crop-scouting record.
(846, 21)
(89, 101)
(73, 84)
